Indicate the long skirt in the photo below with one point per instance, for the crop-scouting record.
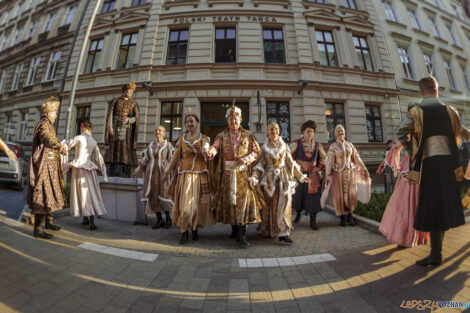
(399, 216)
(85, 194)
(192, 202)
(344, 189)
(48, 196)
(440, 204)
(302, 200)
(276, 219)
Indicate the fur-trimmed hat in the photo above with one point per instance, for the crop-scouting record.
(50, 105)
(128, 86)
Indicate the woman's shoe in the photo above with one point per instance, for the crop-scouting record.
(85, 221)
(184, 238)
(285, 239)
(92, 223)
(195, 235)
(343, 220)
(297, 217)
(351, 220)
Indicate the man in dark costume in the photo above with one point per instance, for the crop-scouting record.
(45, 191)
(122, 125)
(435, 131)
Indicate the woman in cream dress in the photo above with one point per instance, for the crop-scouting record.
(85, 193)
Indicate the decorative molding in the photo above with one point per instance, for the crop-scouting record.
(321, 15)
(284, 3)
(401, 37)
(237, 2)
(356, 12)
(326, 6)
(168, 4)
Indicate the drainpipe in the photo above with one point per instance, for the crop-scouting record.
(81, 57)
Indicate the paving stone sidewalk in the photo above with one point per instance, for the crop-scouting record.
(367, 275)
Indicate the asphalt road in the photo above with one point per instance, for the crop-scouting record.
(12, 201)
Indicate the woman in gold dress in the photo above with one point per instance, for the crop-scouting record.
(191, 196)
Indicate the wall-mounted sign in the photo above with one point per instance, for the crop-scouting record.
(203, 19)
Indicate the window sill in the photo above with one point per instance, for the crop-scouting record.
(441, 40)
(396, 24)
(410, 81)
(28, 88)
(43, 36)
(109, 13)
(284, 3)
(12, 92)
(457, 47)
(47, 83)
(455, 91)
(145, 6)
(344, 9)
(212, 2)
(421, 32)
(168, 4)
(310, 4)
(63, 30)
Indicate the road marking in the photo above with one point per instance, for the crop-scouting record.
(288, 261)
(123, 253)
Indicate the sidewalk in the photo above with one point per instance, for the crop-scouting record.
(126, 268)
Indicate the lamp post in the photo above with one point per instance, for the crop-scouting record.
(81, 56)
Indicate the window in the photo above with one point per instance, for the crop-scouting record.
(5, 18)
(450, 75)
(452, 36)
(108, 6)
(428, 63)
(138, 2)
(326, 47)
(52, 66)
(30, 4)
(273, 42)
(49, 23)
(32, 71)
(8, 126)
(68, 19)
(278, 111)
(437, 3)
(414, 20)
(350, 4)
(334, 115)
(83, 114)
(93, 56)
(389, 13)
(466, 79)
(435, 29)
(16, 11)
(19, 33)
(32, 29)
(225, 45)
(363, 53)
(456, 11)
(317, 1)
(374, 123)
(406, 63)
(171, 119)
(22, 126)
(17, 76)
(5, 42)
(177, 46)
(3, 80)
(127, 50)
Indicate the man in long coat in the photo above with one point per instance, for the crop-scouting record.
(122, 126)
(435, 131)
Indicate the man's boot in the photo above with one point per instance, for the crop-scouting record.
(92, 223)
(39, 223)
(234, 233)
(159, 222)
(313, 221)
(297, 217)
(241, 239)
(285, 239)
(184, 238)
(435, 258)
(343, 220)
(49, 224)
(167, 220)
(351, 220)
(195, 235)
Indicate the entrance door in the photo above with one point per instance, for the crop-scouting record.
(213, 119)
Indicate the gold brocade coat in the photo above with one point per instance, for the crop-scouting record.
(342, 165)
(248, 201)
(277, 172)
(45, 191)
(191, 195)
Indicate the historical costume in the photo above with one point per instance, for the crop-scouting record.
(4, 147)
(311, 157)
(155, 159)
(192, 197)
(236, 203)
(85, 192)
(435, 129)
(277, 172)
(343, 168)
(45, 191)
(122, 126)
(399, 216)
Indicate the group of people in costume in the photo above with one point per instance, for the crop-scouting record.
(235, 181)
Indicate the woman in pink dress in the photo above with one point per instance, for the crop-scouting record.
(397, 221)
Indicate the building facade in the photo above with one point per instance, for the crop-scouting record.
(429, 36)
(35, 40)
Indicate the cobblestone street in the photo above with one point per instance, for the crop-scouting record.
(126, 268)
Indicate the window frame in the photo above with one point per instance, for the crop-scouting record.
(362, 49)
(128, 46)
(171, 116)
(179, 45)
(96, 54)
(33, 68)
(50, 22)
(273, 41)
(136, 3)
(3, 80)
(373, 118)
(390, 14)
(16, 77)
(223, 41)
(52, 66)
(450, 74)
(326, 44)
(434, 27)
(108, 6)
(333, 115)
(70, 15)
(406, 70)
(277, 116)
(23, 126)
(415, 22)
(350, 4)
